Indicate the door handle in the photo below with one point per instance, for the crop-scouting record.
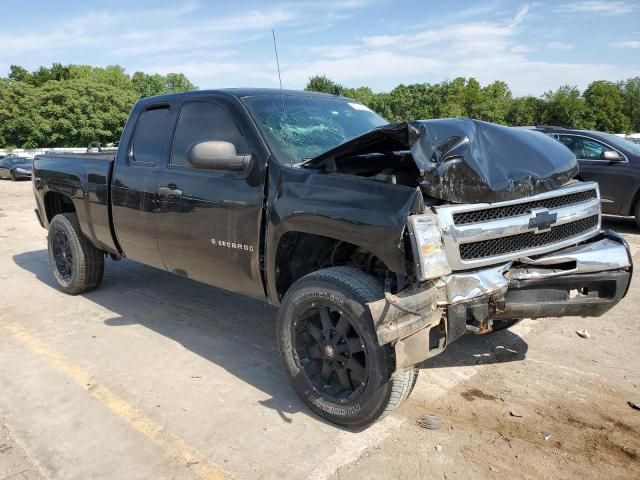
(170, 190)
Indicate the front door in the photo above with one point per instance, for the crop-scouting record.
(208, 221)
(612, 177)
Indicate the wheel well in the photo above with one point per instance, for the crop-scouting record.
(55, 203)
(301, 253)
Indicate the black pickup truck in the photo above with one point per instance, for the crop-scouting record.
(381, 243)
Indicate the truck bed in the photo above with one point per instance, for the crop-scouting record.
(85, 178)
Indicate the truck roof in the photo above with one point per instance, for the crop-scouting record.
(241, 93)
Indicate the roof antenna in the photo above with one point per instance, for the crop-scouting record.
(284, 110)
(275, 48)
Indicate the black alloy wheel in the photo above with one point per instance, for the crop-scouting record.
(330, 348)
(62, 254)
(76, 264)
(331, 353)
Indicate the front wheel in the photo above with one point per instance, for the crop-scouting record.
(330, 349)
(77, 265)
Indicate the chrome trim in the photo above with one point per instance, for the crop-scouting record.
(588, 258)
(454, 235)
(600, 256)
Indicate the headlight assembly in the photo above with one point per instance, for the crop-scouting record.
(427, 247)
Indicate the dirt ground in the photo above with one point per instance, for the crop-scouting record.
(154, 376)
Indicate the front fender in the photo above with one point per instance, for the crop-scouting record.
(369, 214)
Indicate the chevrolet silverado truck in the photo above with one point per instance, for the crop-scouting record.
(380, 243)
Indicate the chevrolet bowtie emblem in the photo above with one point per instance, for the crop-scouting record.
(542, 220)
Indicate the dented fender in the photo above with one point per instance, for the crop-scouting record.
(370, 215)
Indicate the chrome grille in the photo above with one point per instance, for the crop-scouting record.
(525, 241)
(478, 235)
(476, 216)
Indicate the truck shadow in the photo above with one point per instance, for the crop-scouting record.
(235, 332)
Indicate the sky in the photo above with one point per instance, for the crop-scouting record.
(534, 47)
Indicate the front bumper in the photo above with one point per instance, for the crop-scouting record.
(583, 280)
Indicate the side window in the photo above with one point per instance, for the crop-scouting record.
(572, 143)
(202, 121)
(153, 132)
(592, 149)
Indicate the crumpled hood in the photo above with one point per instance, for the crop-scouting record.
(469, 161)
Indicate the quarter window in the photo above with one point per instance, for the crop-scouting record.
(152, 135)
(204, 121)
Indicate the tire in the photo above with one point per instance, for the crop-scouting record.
(637, 213)
(330, 349)
(77, 265)
(503, 324)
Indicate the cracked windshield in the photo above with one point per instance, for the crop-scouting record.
(309, 126)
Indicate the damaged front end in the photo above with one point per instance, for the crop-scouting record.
(455, 160)
(506, 264)
(505, 233)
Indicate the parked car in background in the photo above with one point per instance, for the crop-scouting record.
(15, 168)
(612, 161)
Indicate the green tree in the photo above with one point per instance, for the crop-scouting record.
(80, 111)
(176, 83)
(57, 72)
(149, 85)
(19, 74)
(565, 107)
(113, 75)
(320, 83)
(631, 96)
(605, 102)
(525, 111)
(20, 123)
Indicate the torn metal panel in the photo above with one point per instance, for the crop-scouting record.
(461, 287)
(464, 160)
(399, 315)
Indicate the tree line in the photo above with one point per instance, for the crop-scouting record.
(73, 105)
(607, 106)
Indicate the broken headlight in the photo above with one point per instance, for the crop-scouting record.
(431, 261)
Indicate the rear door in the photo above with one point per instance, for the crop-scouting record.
(134, 184)
(209, 221)
(613, 177)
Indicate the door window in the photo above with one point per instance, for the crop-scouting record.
(592, 149)
(572, 143)
(204, 121)
(153, 132)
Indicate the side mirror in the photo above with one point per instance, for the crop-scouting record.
(611, 155)
(215, 155)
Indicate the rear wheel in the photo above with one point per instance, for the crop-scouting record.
(77, 265)
(330, 348)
